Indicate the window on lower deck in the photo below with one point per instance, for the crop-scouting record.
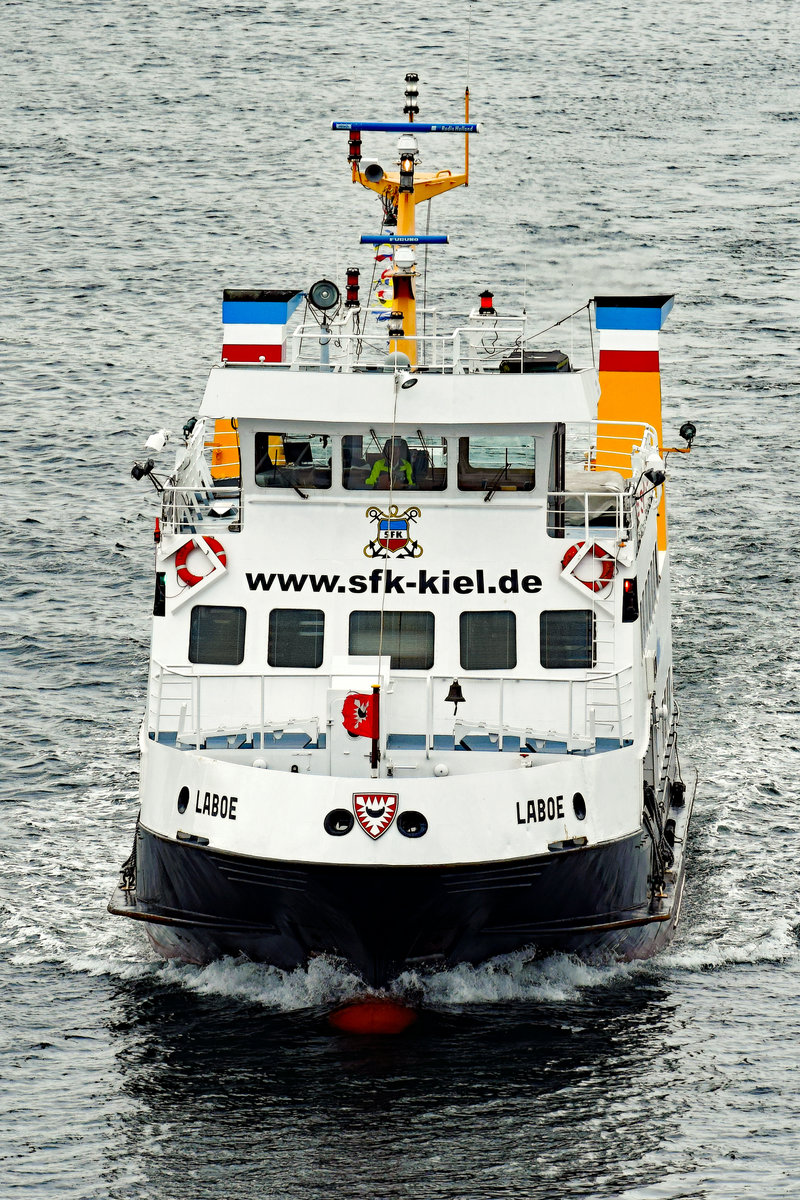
(502, 464)
(488, 641)
(407, 462)
(405, 637)
(296, 637)
(293, 460)
(216, 634)
(567, 639)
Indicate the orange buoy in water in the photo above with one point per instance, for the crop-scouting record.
(374, 1015)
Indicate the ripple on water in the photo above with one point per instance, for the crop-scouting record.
(151, 156)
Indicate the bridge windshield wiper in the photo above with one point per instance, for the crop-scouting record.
(494, 486)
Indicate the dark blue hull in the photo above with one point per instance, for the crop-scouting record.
(201, 904)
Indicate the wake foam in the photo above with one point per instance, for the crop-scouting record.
(326, 983)
(512, 977)
(709, 949)
(322, 983)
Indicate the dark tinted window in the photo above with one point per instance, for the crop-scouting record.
(216, 634)
(295, 637)
(412, 461)
(407, 637)
(503, 464)
(293, 460)
(567, 638)
(488, 641)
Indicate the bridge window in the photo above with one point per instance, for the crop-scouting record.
(567, 639)
(293, 460)
(488, 641)
(296, 637)
(216, 634)
(409, 462)
(405, 637)
(497, 464)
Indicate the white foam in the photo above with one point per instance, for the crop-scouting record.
(512, 977)
(708, 949)
(326, 982)
(322, 983)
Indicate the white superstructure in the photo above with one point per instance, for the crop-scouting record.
(453, 547)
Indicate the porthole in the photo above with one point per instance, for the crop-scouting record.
(183, 799)
(338, 822)
(579, 805)
(412, 824)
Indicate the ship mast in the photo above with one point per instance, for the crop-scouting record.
(401, 191)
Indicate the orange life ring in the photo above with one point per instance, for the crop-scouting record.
(608, 566)
(184, 574)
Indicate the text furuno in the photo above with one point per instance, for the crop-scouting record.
(541, 810)
(217, 806)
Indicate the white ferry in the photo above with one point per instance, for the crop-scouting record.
(411, 697)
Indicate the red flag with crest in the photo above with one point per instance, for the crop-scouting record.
(360, 713)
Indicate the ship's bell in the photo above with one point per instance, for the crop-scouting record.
(455, 696)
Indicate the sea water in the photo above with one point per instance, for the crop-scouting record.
(153, 153)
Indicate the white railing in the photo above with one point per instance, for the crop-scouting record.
(196, 707)
(610, 445)
(606, 489)
(575, 712)
(341, 347)
(232, 707)
(191, 502)
(468, 348)
(201, 510)
(571, 514)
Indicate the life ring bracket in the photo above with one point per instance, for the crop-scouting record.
(608, 565)
(187, 577)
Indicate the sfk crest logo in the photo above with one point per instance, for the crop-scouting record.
(393, 537)
(375, 811)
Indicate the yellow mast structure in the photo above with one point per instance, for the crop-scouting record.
(402, 191)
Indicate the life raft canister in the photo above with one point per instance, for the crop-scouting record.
(181, 556)
(608, 566)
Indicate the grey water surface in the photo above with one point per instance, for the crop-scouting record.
(153, 153)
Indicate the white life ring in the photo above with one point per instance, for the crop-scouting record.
(184, 574)
(608, 566)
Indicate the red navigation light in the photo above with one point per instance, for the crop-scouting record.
(352, 287)
(630, 600)
(487, 306)
(354, 146)
(373, 1016)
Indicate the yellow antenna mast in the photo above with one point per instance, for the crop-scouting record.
(401, 191)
